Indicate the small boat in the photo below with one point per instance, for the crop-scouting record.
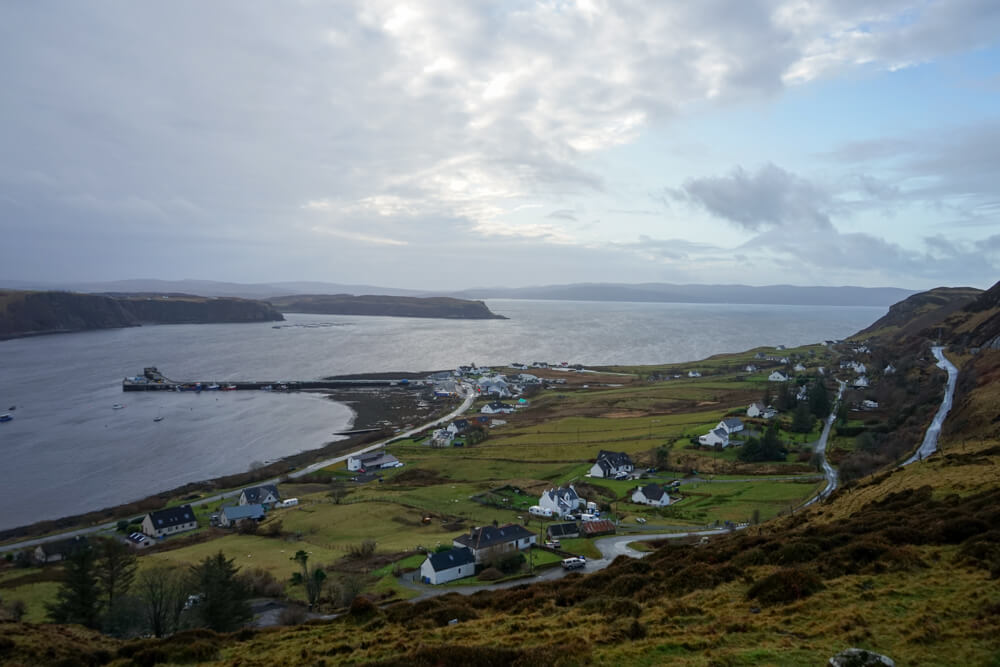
(157, 419)
(5, 418)
(117, 406)
(213, 387)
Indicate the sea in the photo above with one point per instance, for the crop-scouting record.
(68, 450)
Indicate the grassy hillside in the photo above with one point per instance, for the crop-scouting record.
(903, 561)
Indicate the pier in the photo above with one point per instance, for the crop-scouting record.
(152, 380)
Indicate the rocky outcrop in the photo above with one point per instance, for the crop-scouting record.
(37, 313)
(393, 306)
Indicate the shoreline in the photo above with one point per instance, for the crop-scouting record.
(369, 409)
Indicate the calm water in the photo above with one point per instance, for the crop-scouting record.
(67, 451)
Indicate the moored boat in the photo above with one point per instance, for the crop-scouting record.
(5, 418)
(117, 406)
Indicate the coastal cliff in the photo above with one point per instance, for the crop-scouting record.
(393, 306)
(36, 313)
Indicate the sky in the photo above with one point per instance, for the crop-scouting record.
(439, 145)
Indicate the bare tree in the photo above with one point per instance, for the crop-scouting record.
(162, 592)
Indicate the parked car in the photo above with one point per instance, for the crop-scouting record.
(573, 563)
(639, 519)
(553, 544)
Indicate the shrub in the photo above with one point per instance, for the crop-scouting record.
(796, 551)
(786, 585)
(294, 615)
(490, 574)
(362, 551)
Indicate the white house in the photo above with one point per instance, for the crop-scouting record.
(441, 437)
(611, 464)
(799, 368)
(750, 368)
(375, 460)
(458, 426)
(889, 370)
(651, 494)
(497, 408)
(861, 381)
(561, 501)
(266, 494)
(755, 409)
(694, 374)
(802, 394)
(716, 436)
(869, 404)
(445, 566)
(731, 425)
(169, 521)
(777, 376)
(489, 542)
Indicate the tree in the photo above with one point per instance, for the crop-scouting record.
(115, 569)
(223, 605)
(802, 419)
(313, 581)
(79, 597)
(768, 398)
(162, 593)
(819, 399)
(842, 413)
(337, 491)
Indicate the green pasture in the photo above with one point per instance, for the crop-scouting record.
(707, 502)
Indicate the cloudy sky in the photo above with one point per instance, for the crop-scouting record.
(437, 144)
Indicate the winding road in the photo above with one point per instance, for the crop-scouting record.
(828, 471)
(929, 445)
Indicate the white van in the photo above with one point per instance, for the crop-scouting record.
(291, 502)
(538, 510)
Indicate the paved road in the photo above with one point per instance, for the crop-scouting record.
(929, 445)
(610, 548)
(828, 471)
(470, 397)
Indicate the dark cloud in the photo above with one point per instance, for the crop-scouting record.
(769, 197)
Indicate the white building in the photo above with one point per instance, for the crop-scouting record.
(777, 376)
(716, 436)
(561, 501)
(612, 464)
(445, 566)
(169, 521)
(651, 494)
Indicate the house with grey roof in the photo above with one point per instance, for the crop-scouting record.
(651, 494)
(561, 501)
(59, 550)
(716, 436)
(611, 464)
(731, 425)
(489, 542)
(445, 566)
(376, 460)
(169, 521)
(232, 515)
(266, 494)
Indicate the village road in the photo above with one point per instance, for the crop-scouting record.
(470, 397)
(929, 445)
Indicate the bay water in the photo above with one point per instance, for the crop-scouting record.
(69, 451)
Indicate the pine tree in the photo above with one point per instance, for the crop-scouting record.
(223, 606)
(79, 597)
(819, 399)
(115, 569)
(802, 419)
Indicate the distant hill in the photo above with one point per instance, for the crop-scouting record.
(34, 313)
(642, 292)
(668, 293)
(393, 306)
(922, 315)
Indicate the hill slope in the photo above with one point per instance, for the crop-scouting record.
(36, 313)
(393, 306)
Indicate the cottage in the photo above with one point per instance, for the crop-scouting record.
(442, 437)
(861, 381)
(230, 516)
(170, 521)
(716, 436)
(694, 374)
(376, 460)
(869, 404)
(651, 494)
(559, 531)
(755, 410)
(458, 426)
(490, 542)
(799, 368)
(731, 425)
(889, 370)
(53, 552)
(777, 376)
(260, 495)
(445, 566)
(497, 408)
(750, 368)
(611, 464)
(561, 501)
